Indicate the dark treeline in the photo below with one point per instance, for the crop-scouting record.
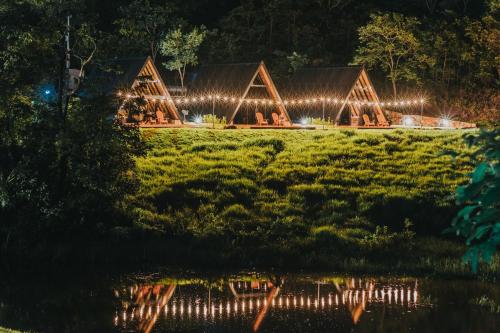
(456, 40)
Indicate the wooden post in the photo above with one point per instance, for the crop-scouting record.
(421, 113)
(323, 119)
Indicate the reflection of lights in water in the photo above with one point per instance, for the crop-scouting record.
(361, 294)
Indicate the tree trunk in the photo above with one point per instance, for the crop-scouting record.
(394, 88)
(181, 77)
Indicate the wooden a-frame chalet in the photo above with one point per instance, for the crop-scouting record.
(346, 84)
(246, 84)
(139, 77)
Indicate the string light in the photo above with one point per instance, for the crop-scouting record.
(270, 102)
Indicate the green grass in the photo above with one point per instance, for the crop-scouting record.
(316, 195)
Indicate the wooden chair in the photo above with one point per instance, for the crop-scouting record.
(367, 121)
(160, 119)
(276, 119)
(260, 119)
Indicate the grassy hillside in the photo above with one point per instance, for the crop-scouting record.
(300, 195)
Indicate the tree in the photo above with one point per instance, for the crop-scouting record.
(65, 164)
(144, 25)
(479, 218)
(297, 61)
(389, 42)
(182, 48)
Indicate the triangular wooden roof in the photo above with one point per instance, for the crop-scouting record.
(344, 83)
(135, 76)
(241, 81)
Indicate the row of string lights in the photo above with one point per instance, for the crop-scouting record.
(263, 101)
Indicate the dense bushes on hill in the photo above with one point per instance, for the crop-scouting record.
(334, 192)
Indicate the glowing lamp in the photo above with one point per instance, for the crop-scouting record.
(304, 121)
(198, 120)
(407, 121)
(47, 92)
(445, 122)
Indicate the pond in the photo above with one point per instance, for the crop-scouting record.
(245, 302)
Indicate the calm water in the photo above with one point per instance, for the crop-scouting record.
(166, 302)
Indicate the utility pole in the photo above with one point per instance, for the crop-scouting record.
(67, 53)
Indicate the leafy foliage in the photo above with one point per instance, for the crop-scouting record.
(143, 24)
(388, 42)
(182, 49)
(479, 219)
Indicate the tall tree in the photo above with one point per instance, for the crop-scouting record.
(182, 49)
(144, 25)
(389, 42)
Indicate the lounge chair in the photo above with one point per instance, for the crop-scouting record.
(260, 119)
(276, 119)
(367, 121)
(160, 119)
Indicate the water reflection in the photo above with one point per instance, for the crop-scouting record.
(251, 302)
(253, 299)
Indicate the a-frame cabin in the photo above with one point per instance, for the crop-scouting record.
(138, 78)
(253, 97)
(358, 103)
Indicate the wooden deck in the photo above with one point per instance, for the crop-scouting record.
(253, 126)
